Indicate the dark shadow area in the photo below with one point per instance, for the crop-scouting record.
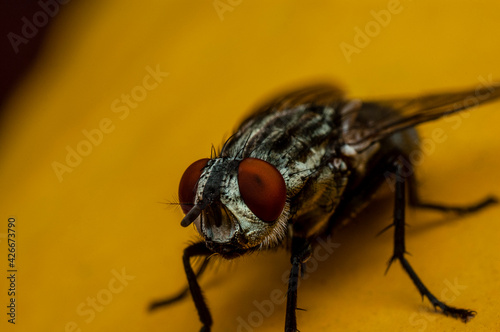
(23, 26)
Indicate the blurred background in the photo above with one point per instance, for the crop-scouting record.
(104, 105)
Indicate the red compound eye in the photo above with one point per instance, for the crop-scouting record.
(188, 184)
(262, 188)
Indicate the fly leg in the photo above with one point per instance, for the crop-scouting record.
(301, 252)
(194, 250)
(415, 201)
(197, 249)
(399, 252)
(182, 294)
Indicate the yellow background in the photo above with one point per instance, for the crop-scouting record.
(107, 214)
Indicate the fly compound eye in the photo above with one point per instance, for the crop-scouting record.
(188, 184)
(262, 188)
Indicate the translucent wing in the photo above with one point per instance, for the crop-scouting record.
(414, 111)
(313, 95)
(318, 95)
(389, 116)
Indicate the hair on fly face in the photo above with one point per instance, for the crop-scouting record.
(173, 203)
(217, 152)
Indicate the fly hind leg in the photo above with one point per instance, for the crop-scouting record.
(400, 250)
(415, 201)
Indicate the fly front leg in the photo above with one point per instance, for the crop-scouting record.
(400, 250)
(301, 252)
(197, 249)
(182, 294)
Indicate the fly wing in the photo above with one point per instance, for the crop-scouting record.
(320, 94)
(409, 111)
(313, 95)
(317, 95)
(414, 111)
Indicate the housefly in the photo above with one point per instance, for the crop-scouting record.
(302, 165)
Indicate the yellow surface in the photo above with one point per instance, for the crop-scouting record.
(107, 215)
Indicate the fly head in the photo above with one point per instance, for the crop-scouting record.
(237, 205)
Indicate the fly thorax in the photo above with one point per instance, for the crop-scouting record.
(358, 159)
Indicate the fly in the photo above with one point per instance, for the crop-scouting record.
(302, 165)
